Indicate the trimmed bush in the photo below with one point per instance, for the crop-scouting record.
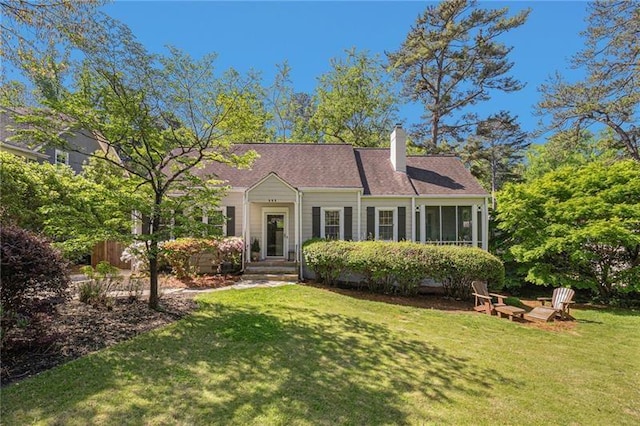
(401, 267)
(34, 278)
(327, 259)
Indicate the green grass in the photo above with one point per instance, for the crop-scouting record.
(301, 355)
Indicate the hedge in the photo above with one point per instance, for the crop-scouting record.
(401, 267)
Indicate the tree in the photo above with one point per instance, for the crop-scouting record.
(452, 59)
(246, 117)
(610, 92)
(73, 211)
(39, 35)
(568, 149)
(159, 118)
(355, 102)
(577, 226)
(496, 150)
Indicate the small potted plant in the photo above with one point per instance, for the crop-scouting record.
(255, 250)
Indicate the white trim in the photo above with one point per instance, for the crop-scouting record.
(57, 152)
(474, 225)
(412, 216)
(261, 181)
(358, 235)
(285, 238)
(395, 221)
(328, 189)
(451, 196)
(323, 210)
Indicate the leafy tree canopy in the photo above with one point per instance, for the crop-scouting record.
(356, 103)
(577, 226)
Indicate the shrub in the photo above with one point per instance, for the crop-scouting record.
(104, 279)
(400, 267)
(33, 276)
(328, 260)
(179, 253)
(230, 250)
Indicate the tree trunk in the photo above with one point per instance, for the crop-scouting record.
(153, 254)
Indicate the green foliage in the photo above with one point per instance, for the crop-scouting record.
(327, 259)
(356, 103)
(102, 280)
(179, 253)
(577, 226)
(184, 254)
(33, 278)
(74, 211)
(400, 267)
(496, 150)
(451, 59)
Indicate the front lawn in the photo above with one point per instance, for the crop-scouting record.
(301, 355)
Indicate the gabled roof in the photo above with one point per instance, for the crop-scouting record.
(300, 165)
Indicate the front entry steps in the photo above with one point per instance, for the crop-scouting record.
(271, 270)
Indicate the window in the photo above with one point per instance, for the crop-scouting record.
(451, 224)
(61, 157)
(216, 221)
(331, 224)
(386, 224)
(433, 223)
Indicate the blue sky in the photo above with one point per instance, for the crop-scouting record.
(260, 35)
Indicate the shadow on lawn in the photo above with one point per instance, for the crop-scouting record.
(229, 364)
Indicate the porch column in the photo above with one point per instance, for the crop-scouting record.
(485, 226)
(296, 221)
(413, 219)
(246, 228)
(423, 219)
(474, 225)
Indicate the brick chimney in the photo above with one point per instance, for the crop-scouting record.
(399, 149)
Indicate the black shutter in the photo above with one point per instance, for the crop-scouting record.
(315, 216)
(348, 223)
(417, 222)
(402, 223)
(231, 221)
(371, 223)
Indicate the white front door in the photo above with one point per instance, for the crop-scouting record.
(274, 230)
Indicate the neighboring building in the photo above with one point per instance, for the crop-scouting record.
(81, 144)
(294, 192)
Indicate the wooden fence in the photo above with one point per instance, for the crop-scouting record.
(109, 251)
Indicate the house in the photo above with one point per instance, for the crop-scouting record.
(294, 192)
(80, 144)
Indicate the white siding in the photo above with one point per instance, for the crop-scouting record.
(272, 190)
(327, 199)
(234, 199)
(382, 203)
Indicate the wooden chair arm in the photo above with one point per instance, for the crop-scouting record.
(499, 296)
(482, 296)
(544, 299)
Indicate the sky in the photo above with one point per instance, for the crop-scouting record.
(260, 34)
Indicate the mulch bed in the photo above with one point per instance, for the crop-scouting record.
(79, 329)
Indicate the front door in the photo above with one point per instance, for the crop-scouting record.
(275, 234)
